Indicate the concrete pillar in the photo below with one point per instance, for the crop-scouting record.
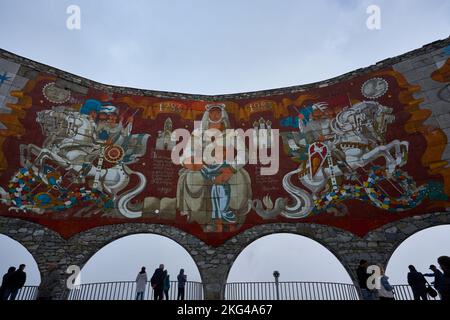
(214, 264)
(214, 281)
(54, 284)
(54, 259)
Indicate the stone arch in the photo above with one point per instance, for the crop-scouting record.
(39, 241)
(165, 232)
(298, 236)
(213, 262)
(34, 265)
(398, 246)
(317, 233)
(46, 246)
(416, 230)
(378, 245)
(392, 235)
(223, 257)
(375, 247)
(99, 237)
(86, 244)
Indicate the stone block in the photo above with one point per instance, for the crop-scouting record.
(392, 230)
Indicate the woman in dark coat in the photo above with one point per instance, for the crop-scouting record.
(417, 282)
(444, 263)
(166, 284)
(5, 289)
(182, 278)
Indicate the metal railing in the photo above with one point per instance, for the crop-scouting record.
(304, 291)
(290, 291)
(404, 292)
(27, 293)
(126, 290)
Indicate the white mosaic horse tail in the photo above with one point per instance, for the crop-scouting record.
(125, 198)
(300, 208)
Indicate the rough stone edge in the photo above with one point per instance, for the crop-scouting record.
(83, 82)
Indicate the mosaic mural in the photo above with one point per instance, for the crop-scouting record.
(355, 155)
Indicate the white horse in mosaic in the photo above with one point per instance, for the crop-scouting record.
(72, 144)
(353, 140)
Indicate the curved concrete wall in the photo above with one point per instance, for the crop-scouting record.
(363, 163)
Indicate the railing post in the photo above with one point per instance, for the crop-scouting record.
(276, 275)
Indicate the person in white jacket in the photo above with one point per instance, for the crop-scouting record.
(386, 291)
(141, 282)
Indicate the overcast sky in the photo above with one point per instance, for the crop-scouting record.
(215, 47)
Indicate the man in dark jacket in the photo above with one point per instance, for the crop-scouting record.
(157, 282)
(438, 279)
(182, 279)
(5, 289)
(363, 276)
(444, 263)
(417, 282)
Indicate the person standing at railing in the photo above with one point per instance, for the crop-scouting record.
(166, 284)
(438, 279)
(5, 289)
(417, 282)
(157, 282)
(182, 278)
(386, 291)
(141, 282)
(363, 276)
(444, 263)
(18, 279)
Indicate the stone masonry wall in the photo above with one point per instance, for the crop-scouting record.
(214, 262)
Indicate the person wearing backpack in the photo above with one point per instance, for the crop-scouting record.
(386, 291)
(417, 282)
(438, 279)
